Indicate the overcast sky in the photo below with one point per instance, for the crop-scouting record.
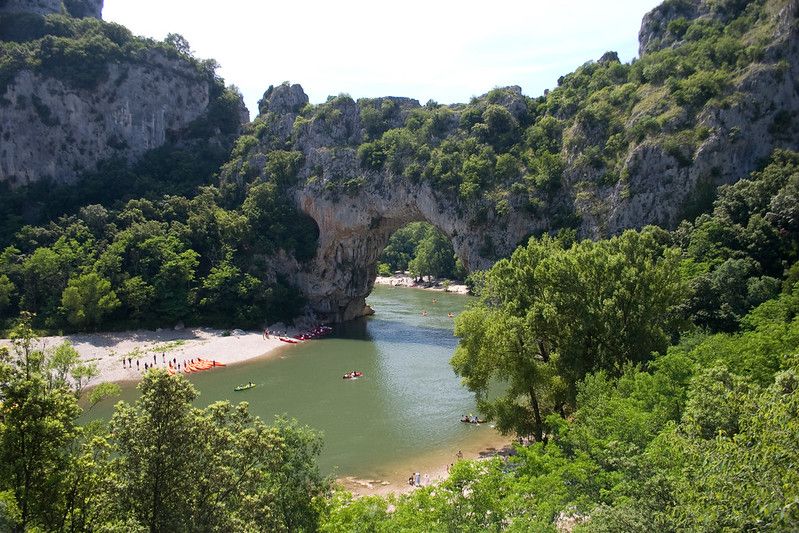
(442, 50)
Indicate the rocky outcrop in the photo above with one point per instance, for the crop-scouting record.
(357, 209)
(741, 136)
(51, 130)
(354, 228)
(75, 8)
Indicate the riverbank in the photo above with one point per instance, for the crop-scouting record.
(394, 479)
(409, 282)
(108, 350)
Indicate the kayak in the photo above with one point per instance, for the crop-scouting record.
(289, 340)
(244, 387)
(350, 376)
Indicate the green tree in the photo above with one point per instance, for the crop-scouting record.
(433, 256)
(7, 293)
(179, 468)
(39, 432)
(87, 299)
(550, 315)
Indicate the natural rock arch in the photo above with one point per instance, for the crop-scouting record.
(354, 230)
(355, 223)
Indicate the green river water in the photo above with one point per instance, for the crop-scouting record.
(403, 412)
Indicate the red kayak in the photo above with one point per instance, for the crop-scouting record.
(289, 340)
(352, 375)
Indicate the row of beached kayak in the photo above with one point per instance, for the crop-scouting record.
(317, 332)
(197, 366)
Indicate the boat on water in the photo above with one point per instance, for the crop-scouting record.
(249, 385)
(289, 340)
(352, 375)
(472, 420)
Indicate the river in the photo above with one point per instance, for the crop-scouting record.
(403, 413)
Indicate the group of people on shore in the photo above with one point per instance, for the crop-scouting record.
(171, 363)
(417, 480)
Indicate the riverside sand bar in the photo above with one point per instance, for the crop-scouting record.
(107, 350)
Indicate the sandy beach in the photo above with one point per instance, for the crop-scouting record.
(435, 464)
(107, 350)
(407, 281)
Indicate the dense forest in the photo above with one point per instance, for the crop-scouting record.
(423, 251)
(654, 371)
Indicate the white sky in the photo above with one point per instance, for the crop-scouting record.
(443, 50)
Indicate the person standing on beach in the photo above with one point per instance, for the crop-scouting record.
(426, 479)
(417, 479)
(130, 364)
(137, 364)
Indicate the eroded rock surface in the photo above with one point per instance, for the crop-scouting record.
(357, 209)
(52, 130)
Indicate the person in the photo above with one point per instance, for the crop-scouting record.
(427, 479)
(129, 362)
(154, 359)
(417, 479)
(459, 455)
(137, 364)
(410, 480)
(435, 301)
(163, 358)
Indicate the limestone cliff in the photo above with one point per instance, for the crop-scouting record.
(52, 130)
(75, 8)
(97, 93)
(614, 147)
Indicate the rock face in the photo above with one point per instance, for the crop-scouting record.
(354, 229)
(742, 135)
(75, 8)
(355, 224)
(52, 130)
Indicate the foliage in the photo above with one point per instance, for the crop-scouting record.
(154, 262)
(161, 465)
(423, 250)
(550, 314)
(180, 468)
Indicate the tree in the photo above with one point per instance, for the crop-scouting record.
(87, 299)
(7, 292)
(38, 431)
(137, 295)
(549, 315)
(179, 43)
(179, 468)
(433, 256)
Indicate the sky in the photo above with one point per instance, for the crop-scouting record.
(441, 50)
